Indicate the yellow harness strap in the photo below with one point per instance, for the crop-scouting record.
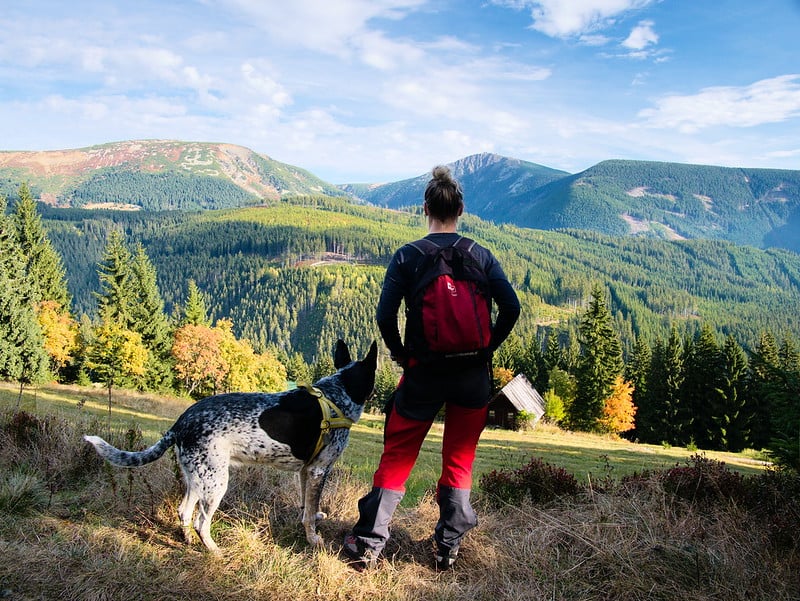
(332, 417)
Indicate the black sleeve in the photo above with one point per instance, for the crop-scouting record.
(505, 297)
(392, 292)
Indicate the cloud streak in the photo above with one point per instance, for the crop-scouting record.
(766, 101)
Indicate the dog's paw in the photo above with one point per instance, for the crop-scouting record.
(316, 541)
(321, 515)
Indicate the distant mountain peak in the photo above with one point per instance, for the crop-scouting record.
(62, 176)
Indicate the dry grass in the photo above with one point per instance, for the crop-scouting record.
(91, 532)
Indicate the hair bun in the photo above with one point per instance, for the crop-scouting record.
(441, 173)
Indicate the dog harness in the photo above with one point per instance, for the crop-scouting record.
(332, 417)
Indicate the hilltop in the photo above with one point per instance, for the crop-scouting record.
(754, 207)
(155, 175)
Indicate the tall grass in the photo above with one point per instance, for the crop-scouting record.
(88, 531)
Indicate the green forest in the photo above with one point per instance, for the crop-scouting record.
(694, 340)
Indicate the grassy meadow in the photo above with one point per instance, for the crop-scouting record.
(72, 527)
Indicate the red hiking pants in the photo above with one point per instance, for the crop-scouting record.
(403, 439)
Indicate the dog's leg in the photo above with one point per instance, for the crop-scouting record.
(213, 487)
(315, 481)
(186, 508)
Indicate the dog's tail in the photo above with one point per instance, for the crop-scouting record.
(131, 458)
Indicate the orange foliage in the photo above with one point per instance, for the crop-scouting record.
(619, 410)
(199, 360)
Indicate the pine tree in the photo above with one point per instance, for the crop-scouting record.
(702, 376)
(150, 321)
(730, 415)
(662, 415)
(599, 364)
(116, 301)
(22, 353)
(195, 311)
(44, 266)
(764, 365)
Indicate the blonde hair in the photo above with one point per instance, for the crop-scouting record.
(443, 195)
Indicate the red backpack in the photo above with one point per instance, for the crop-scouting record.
(449, 310)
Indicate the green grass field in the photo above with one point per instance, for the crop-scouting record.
(73, 527)
(586, 456)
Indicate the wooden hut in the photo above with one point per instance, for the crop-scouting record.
(516, 396)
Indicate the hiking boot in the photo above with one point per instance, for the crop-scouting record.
(445, 558)
(360, 557)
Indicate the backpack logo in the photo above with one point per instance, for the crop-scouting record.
(448, 312)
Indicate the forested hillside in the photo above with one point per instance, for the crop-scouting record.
(757, 207)
(296, 274)
(155, 175)
(684, 342)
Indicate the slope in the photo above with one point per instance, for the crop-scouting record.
(155, 175)
(297, 274)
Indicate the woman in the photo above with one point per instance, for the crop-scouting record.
(462, 385)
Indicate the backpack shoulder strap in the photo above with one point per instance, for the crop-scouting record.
(424, 246)
(465, 244)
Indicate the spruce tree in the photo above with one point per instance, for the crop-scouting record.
(22, 354)
(784, 398)
(764, 365)
(636, 371)
(116, 300)
(43, 264)
(662, 416)
(599, 364)
(730, 416)
(150, 321)
(194, 311)
(702, 376)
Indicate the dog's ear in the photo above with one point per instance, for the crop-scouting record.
(372, 356)
(341, 356)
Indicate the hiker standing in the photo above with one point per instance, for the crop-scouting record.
(447, 283)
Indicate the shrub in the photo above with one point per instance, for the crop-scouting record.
(703, 481)
(538, 481)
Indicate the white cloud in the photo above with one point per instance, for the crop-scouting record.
(641, 36)
(328, 27)
(766, 101)
(561, 19)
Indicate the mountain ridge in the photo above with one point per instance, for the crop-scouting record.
(59, 174)
(620, 197)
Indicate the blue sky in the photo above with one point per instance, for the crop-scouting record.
(382, 90)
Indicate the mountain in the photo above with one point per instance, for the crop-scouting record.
(495, 186)
(155, 175)
(757, 207)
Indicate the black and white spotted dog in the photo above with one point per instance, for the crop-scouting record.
(304, 430)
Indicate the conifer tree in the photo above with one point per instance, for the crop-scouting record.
(703, 369)
(784, 398)
(115, 299)
(662, 415)
(150, 321)
(195, 311)
(763, 365)
(22, 354)
(729, 417)
(43, 264)
(599, 364)
(636, 372)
